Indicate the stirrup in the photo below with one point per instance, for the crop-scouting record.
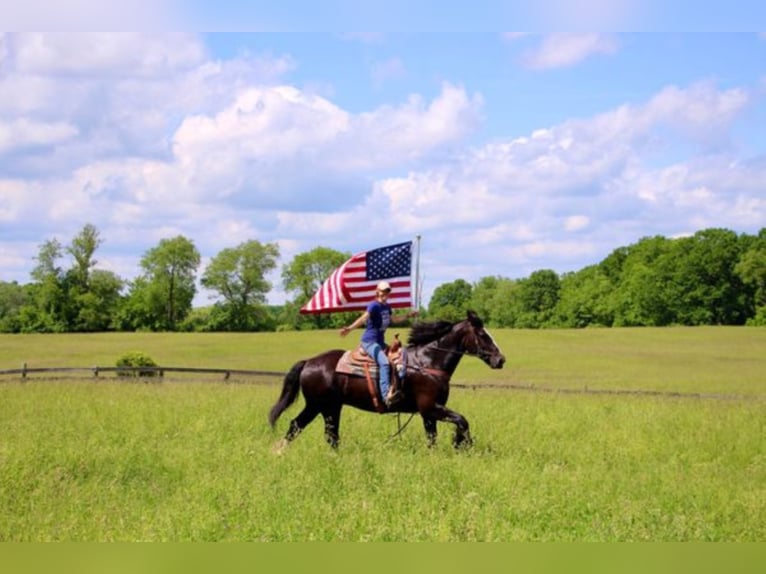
(393, 398)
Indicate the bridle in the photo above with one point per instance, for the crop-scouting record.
(480, 353)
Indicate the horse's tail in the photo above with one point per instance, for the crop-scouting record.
(289, 393)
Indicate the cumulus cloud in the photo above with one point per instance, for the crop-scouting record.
(600, 178)
(562, 50)
(165, 140)
(83, 15)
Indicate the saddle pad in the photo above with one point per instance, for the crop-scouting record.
(348, 365)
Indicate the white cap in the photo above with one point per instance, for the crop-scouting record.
(383, 286)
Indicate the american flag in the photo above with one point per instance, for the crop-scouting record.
(351, 287)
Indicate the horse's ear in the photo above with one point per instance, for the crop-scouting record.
(473, 318)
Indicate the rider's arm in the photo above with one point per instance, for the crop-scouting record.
(361, 320)
(402, 318)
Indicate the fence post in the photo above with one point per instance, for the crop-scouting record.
(24, 371)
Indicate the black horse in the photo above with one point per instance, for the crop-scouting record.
(433, 352)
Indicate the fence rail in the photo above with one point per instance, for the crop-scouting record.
(24, 371)
(146, 372)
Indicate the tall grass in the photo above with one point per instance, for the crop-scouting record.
(135, 461)
(102, 459)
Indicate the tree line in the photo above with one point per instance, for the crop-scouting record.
(715, 277)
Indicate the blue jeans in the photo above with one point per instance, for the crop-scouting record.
(374, 350)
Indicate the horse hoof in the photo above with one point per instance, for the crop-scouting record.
(280, 447)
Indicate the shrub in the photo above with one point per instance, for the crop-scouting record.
(136, 359)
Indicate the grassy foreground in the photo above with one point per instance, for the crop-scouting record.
(98, 460)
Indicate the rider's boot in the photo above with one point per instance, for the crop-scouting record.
(394, 394)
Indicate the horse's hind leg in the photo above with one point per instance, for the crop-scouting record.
(332, 424)
(462, 438)
(300, 422)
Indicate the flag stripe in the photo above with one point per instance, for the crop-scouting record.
(352, 285)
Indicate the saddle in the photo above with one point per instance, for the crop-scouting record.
(357, 362)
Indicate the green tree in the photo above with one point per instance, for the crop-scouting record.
(506, 303)
(450, 301)
(303, 276)
(238, 275)
(12, 298)
(706, 288)
(93, 295)
(584, 299)
(482, 298)
(44, 310)
(98, 306)
(751, 268)
(81, 249)
(161, 297)
(539, 295)
(642, 278)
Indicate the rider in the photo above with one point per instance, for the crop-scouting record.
(376, 319)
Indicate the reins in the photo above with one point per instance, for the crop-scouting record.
(400, 426)
(429, 371)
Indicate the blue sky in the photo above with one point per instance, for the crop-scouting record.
(506, 152)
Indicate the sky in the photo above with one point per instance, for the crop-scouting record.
(504, 152)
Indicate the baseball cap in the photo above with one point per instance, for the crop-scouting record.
(383, 286)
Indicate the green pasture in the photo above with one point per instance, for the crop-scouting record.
(192, 459)
(715, 360)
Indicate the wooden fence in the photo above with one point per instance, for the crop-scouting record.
(127, 373)
(226, 374)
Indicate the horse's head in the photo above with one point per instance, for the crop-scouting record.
(479, 342)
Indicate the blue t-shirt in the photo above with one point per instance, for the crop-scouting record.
(377, 322)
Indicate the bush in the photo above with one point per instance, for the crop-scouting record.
(136, 359)
(759, 320)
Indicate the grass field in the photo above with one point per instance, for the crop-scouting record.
(191, 459)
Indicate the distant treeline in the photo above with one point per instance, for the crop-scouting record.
(715, 277)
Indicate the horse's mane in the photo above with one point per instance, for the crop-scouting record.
(424, 333)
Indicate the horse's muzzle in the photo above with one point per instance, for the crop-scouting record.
(497, 361)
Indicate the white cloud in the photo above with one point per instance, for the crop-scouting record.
(106, 54)
(561, 50)
(21, 133)
(84, 15)
(386, 70)
(224, 151)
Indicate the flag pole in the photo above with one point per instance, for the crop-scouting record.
(417, 273)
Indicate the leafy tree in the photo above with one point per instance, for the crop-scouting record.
(506, 303)
(641, 293)
(12, 298)
(93, 295)
(82, 248)
(44, 310)
(239, 276)
(751, 269)
(162, 296)
(584, 299)
(303, 276)
(707, 291)
(97, 307)
(450, 301)
(538, 295)
(482, 298)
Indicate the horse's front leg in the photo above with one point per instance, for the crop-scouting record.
(462, 438)
(429, 424)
